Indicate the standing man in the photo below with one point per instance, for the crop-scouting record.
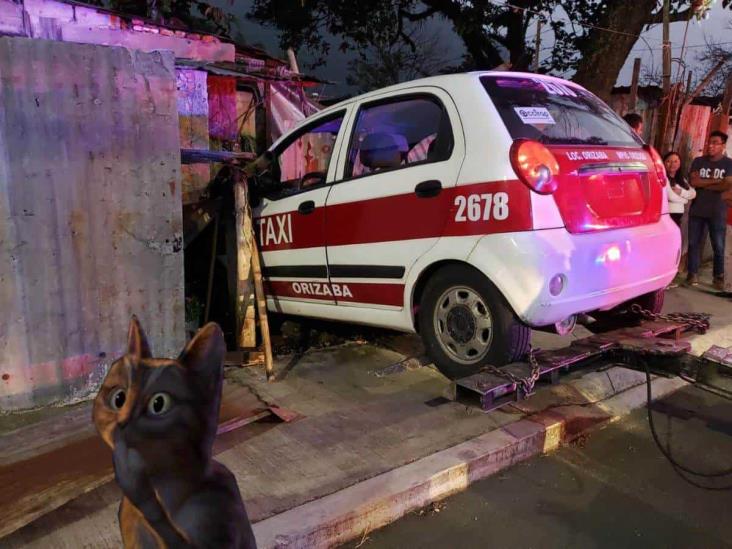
(711, 175)
(635, 121)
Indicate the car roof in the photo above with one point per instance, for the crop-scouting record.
(445, 81)
(448, 82)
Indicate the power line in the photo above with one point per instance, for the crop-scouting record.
(585, 25)
(694, 46)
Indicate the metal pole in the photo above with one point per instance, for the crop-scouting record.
(537, 46)
(209, 289)
(666, 47)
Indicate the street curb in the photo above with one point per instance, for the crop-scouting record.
(366, 506)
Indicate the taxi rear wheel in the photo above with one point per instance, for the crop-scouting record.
(466, 323)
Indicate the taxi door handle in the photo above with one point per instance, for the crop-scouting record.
(428, 189)
(306, 207)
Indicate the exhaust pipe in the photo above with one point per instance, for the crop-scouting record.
(566, 326)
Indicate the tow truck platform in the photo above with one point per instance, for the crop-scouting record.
(656, 345)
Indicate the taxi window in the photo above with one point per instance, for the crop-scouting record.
(399, 133)
(302, 162)
(556, 113)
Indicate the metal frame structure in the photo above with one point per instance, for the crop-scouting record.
(653, 344)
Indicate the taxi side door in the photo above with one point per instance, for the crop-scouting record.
(290, 220)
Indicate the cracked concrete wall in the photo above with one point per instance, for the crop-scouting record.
(90, 214)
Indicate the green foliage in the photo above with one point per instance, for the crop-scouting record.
(492, 32)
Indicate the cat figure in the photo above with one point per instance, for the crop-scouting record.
(160, 416)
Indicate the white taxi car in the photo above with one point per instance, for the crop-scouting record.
(468, 208)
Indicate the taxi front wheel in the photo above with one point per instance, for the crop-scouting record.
(466, 323)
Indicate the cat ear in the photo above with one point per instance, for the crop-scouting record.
(137, 344)
(204, 354)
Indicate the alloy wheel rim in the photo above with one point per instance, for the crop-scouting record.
(463, 324)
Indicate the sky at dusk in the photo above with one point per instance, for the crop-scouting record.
(717, 28)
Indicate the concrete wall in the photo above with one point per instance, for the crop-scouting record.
(90, 214)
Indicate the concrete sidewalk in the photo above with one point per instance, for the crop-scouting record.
(371, 446)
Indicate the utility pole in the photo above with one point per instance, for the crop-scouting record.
(666, 107)
(666, 47)
(537, 46)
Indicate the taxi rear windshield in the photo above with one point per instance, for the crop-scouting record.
(555, 113)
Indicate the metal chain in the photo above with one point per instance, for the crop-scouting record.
(526, 383)
(698, 321)
(535, 372)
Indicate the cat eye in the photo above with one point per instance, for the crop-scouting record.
(117, 399)
(159, 404)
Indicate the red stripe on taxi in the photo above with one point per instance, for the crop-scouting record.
(481, 208)
(352, 292)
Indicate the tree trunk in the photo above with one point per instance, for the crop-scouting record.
(604, 53)
(483, 53)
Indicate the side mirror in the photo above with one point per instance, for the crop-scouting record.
(266, 182)
(255, 199)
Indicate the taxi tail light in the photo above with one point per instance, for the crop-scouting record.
(535, 165)
(657, 163)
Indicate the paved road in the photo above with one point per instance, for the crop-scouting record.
(611, 489)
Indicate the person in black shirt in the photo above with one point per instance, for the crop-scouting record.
(711, 175)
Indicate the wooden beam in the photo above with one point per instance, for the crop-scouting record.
(245, 315)
(634, 85)
(721, 122)
(262, 311)
(202, 156)
(704, 83)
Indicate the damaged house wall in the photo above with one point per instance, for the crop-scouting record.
(91, 185)
(194, 132)
(69, 22)
(90, 214)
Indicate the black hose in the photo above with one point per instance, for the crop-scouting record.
(679, 467)
(716, 391)
(698, 485)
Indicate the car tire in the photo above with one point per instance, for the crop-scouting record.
(652, 301)
(458, 307)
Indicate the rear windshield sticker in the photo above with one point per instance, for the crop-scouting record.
(555, 88)
(534, 115)
(630, 155)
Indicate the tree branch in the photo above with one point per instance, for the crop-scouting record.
(675, 17)
(420, 16)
